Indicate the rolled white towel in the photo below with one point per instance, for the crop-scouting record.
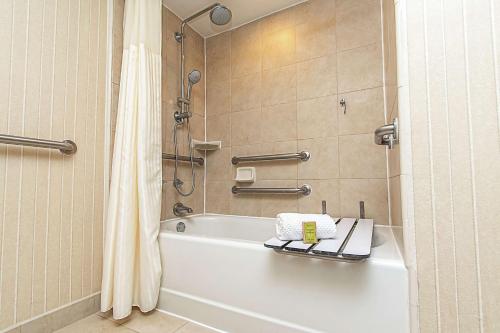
(289, 225)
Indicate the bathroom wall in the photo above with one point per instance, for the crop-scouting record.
(274, 86)
(52, 85)
(391, 106)
(194, 45)
(448, 77)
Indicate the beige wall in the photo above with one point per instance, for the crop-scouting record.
(52, 85)
(391, 104)
(450, 167)
(194, 45)
(274, 86)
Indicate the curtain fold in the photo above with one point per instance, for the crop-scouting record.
(132, 269)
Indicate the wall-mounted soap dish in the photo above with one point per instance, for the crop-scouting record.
(245, 175)
(206, 145)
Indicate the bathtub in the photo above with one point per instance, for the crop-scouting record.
(217, 272)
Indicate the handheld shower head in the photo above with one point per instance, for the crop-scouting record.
(193, 78)
(220, 15)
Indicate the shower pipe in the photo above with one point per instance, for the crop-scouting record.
(67, 147)
(303, 156)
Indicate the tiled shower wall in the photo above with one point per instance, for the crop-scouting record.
(194, 46)
(274, 86)
(52, 85)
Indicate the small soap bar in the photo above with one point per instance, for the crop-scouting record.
(309, 232)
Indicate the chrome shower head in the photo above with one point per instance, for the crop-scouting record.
(220, 15)
(194, 76)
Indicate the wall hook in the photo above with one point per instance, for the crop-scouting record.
(343, 105)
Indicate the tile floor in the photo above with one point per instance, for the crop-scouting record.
(137, 322)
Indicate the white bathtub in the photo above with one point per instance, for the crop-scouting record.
(219, 273)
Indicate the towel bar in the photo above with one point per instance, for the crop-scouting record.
(304, 189)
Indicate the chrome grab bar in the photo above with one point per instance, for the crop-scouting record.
(67, 147)
(304, 189)
(303, 155)
(198, 160)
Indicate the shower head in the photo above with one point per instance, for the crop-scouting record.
(220, 15)
(194, 76)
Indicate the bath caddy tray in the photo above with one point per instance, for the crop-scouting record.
(352, 243)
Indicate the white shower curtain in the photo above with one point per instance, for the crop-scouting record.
(132, 270)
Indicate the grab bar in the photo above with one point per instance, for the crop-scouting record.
(304, 189)
(67, 147)
(198, 160)
(303, 155)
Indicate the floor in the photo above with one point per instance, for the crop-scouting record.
(137, 322)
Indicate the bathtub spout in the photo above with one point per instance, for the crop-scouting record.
(181, 210)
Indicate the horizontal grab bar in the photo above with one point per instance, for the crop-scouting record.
(198, 160)
(67, 147)
(303, 155)
(304, 189)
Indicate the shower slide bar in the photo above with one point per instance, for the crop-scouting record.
(304, 189)
(303, 155)
(198, 160)
(67, 147)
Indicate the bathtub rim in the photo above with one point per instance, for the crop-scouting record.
(396, 261)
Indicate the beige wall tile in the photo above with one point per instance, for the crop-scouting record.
(246, 50)
(218, 197)
(326, 189)
(372, 191)
(245, 93)
(364, 111)
(279, 86)
(218, 167)
(246, 205)
(314, 40)
(320, 11)
(358, 23)
(324, 161)
(317, 118)
(246, 127)
(278, 48)
(218, 97)
(279, 122)
(284, 19)
(395, 197)
(218, 128)
(275, 204)
(354, 153)
(359, 68)
(317, 77)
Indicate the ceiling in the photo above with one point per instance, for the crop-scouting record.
(244, 11)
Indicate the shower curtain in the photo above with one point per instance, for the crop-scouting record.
(132, 270)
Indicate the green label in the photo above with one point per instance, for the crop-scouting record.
(309, 232)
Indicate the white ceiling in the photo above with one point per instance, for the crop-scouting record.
(244, 11)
